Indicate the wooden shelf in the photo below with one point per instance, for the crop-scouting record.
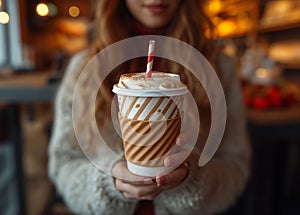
(231, 9)
(268, 29)
(275, 117)
(279, 27)
(295, 65)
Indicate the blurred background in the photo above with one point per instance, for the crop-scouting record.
(37, 39)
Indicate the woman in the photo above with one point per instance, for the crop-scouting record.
(197, 190)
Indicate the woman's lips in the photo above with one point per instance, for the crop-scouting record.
(156, 8)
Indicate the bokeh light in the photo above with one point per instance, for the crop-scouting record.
(4, 17)
(52, 9)
(42, 9)
(226, 27)
(261, 73)
(214, 6)
(74, 11)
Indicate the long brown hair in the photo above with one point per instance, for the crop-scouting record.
(113, 22)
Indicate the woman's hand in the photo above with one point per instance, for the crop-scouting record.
(173, 178)
(138, 187)
(180, 152)
(177, 159)
(133, 186)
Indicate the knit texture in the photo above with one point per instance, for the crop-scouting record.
(207, 190)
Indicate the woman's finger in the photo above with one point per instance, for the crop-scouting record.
(173, 178)
(175, 159)
(150, 196)
(136, 191)
(121, 172)
(182, 139)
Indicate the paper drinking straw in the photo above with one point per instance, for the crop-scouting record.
(150, 58)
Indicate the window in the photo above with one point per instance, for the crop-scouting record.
(10, 39)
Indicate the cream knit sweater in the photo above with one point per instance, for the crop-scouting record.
(207, 190)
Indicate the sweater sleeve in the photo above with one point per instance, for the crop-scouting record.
(85, 189)
(215, 187)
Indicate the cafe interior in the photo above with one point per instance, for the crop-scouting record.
(37, 40)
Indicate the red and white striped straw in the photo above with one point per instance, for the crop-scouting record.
(150, 58)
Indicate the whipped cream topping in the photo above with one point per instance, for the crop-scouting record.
(158, 81)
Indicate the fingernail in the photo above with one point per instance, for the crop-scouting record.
(168, 162)
(179, 141)
(148, 181)
(161, 181)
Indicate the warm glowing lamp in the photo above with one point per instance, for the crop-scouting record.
(74, 11)
(0, 3)
(4, 17)
(214, 6)
(261, 73)
(42, 9)
(226, 27)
